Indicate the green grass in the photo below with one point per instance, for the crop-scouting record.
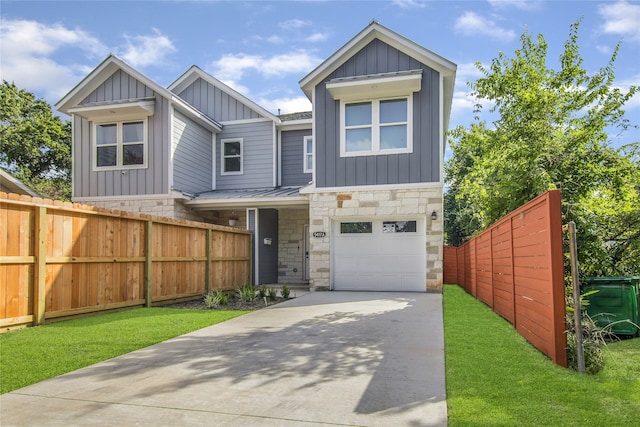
(34, 354)
(495, 378)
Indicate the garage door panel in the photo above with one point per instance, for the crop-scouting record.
(380, 261)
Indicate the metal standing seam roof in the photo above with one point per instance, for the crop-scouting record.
(250, 193)
(259, 197)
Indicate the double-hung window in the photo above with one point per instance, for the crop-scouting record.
(231, 156)
(379, 126)
(308, 154)
(121, 145)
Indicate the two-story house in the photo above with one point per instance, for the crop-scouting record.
(346, 197)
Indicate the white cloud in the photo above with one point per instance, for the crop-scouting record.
(231, 67)
(409, 4)
(317, 37)
(472, 24)
(143, 50)
(621, 18)
(518, 4)
(293, 23)
(604, 49)
(27, 51)
(286, 105)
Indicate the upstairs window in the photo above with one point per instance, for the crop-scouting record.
(231, 157)
(379, 126)
(308, 154)
(120, 145)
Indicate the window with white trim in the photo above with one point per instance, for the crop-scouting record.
(308, 154)
(379, 126)
(121, 145)
(231, 156)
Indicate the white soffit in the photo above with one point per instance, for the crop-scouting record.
(118, 111)
(376, 85)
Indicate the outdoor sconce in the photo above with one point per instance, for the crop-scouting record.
(434, 215)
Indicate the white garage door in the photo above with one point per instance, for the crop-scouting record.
(379, 255)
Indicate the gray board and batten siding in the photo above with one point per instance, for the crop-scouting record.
(292, 145)
(422, 165)
(192, 155)
(215, 103)
(153, 179)
(267, 253)
(257, 155)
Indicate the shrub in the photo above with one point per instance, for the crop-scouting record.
(246, 292)
(272, 293)
(262, 292)
(215, 298)
(593, 340)
(285, 291)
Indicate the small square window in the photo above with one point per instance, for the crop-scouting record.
(379, 126)
(399, 227)
(231, 157)
(120, 144)
(361, 227)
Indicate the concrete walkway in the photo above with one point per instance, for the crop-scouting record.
(325, 358)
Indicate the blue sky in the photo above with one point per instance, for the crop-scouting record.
(262, 49)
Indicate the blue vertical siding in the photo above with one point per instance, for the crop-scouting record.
(215, 103)
(292, 146)
(154, 179)
(258, 156)
(422, 165)
(192, 155)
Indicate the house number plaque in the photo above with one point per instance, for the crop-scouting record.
(319, 234)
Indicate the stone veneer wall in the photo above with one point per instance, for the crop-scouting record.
(325, 207)
(160, 206)
(291, 244)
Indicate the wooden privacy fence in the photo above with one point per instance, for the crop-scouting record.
(60, 259)
(517, 268)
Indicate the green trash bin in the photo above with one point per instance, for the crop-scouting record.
(618, 298)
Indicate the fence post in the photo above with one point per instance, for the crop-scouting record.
(207, 268)
(577, 311)
(148, 262)
(40, 271)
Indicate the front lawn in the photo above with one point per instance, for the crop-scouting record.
(35, 354)
(495, 378)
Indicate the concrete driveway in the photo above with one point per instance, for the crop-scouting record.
(325, 358)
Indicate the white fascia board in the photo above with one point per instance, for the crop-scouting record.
(115, 198)
(311, 189)
(195, 72)
(296, 124)
(194, 113)
(241, 202)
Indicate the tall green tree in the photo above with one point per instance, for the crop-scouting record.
(35, 145)
(551, 133)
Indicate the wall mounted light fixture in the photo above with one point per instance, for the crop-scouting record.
(434, 215)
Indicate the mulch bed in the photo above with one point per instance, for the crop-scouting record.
(234, 304)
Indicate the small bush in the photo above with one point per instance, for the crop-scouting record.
(215, 298)
(262, 292)
(246, 292)
(593, 340)
(272, 293)
(285, 291)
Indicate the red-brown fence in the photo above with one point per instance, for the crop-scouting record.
(61, 259)
(517, 268)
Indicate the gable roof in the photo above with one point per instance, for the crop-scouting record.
(195, 72)
(112, 64)
(374, 30)
(11, 184)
